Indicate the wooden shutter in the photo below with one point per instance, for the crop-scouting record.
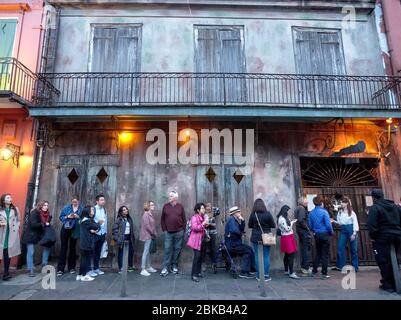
(319, 52)
(116, 49)
(219, 50)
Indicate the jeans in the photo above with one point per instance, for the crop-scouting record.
(130, 253)
(322, 252)
(98, 250)
(146, 254)
(246, 254)
(84, 266)
(6, 261)
(305, 244)
(211, 245)
(345, 236)
(289, 262)
(67, 241)
(196, 263)
(382, 250)
(172, 248)
(266, 259)
(31, 251)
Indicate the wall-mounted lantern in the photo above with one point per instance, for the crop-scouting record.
(11, 152)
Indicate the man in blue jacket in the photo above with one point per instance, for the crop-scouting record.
(320, 225)
(233, 232)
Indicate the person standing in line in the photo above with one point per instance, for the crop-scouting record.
(288, 245)
(9, 233)
(198, 224)
(348, 222)
(39, 219)
(100, 218)
(304, 235)
(147, 235)
(209, 240)
(384, 225)
(319, 223)
(88, 229)
(173, 223)
(261, 219)
(123, 230)
(69, 218)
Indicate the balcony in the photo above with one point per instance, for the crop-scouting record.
(18, 83)
(133, 90)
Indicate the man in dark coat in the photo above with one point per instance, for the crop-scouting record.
(304, 235)
(384, 225)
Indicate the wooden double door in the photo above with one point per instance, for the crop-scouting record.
(224, 187)
(358, 196)
(86, 176)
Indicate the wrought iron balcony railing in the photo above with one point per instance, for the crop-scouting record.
(20, 83)
(228, 89)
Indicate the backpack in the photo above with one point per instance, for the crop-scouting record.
(188, 228)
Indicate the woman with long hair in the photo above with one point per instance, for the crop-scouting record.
(123, 230)
(349, 227)
(39, 218)
(288, 245)
(261, 220)
(9, 233)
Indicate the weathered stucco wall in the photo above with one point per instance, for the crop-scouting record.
(168, 37)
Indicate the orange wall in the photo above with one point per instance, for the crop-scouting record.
(14, 180)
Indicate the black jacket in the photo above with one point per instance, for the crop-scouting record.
(384, 220)
(119, 230)
(301, 214)
(35, 227)
(266, 222)
(87, 238)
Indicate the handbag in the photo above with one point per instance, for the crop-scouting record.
(268, 239)
(105, 250)
(49, 237)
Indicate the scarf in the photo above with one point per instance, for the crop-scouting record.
(44, 216)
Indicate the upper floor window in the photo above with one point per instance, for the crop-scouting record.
(220, 49)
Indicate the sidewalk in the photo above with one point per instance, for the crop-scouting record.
(220, 286)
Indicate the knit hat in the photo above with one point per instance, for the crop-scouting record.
(377, 194)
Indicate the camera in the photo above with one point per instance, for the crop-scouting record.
(216, 211)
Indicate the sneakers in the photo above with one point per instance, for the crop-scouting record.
(294, 276)
(78, 278)
(305, 272)
(336, 269)
(175, 270)
(325, 276)
(246, 275)
(164, 272)
(87, 278)
(92, 274)
(131, 269)
(286, 273)
(145, 273)
(99, 272)
(6, 277)
(59, 273)
(267, 279)
(72, 271)
(151, 270)
(386, 288)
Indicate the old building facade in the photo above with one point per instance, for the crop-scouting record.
(307, 78)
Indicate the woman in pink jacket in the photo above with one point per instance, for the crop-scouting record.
(147, 235)
(198, 224)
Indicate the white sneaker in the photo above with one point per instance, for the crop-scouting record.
(164, 272)
(92, 274)
(150, 269)
(145, 273)
(78, 278)
(286, 273)
(87, 278)
(99, 272)
(294, 276)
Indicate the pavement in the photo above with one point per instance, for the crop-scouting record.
(220, 286)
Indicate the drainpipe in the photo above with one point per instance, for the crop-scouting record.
(22, 30)
(37, 178)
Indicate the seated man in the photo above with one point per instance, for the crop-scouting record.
(233, 232)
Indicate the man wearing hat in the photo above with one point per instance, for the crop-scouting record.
(384, 225)
(233, 232)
